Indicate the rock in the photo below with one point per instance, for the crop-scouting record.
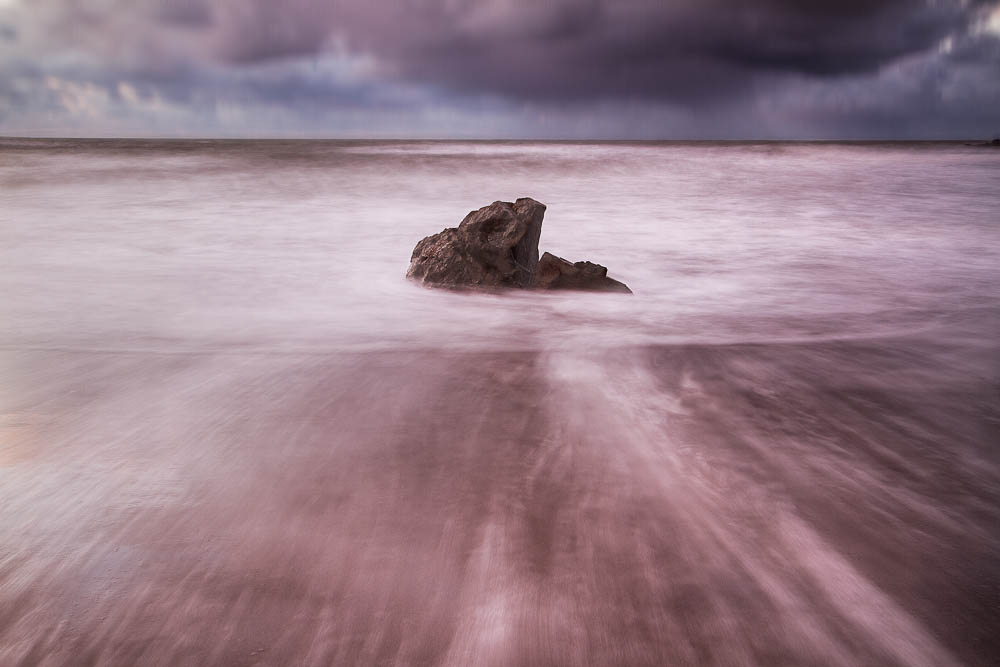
(556, 273)
(496, 246)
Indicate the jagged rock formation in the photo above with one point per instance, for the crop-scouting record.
(497, 246)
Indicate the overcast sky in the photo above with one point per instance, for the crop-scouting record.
(501, 68)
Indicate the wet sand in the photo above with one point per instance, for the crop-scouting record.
(681, 505)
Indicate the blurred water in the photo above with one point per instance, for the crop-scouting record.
(222, 407)
(302, 244)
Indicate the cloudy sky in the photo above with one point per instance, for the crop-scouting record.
(501, 68)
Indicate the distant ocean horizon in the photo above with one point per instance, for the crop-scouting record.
(552, 140)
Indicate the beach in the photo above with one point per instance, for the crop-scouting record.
(232, 433)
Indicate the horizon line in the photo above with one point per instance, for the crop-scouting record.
(4, 137)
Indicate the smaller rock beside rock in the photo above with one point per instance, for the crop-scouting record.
(557, 273)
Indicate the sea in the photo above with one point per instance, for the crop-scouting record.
(233, 433)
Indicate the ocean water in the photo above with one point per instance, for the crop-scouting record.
(231, 432)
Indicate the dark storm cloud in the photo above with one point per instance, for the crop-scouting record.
(194, 13)
(624, 67)
(559, 49)
(679, 51)
(953, 93)
(584, 49)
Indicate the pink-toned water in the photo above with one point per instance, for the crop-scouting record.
(231, 433)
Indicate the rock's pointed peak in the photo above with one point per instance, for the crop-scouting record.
(528, 203)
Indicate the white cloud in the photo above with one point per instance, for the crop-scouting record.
(79, 99)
